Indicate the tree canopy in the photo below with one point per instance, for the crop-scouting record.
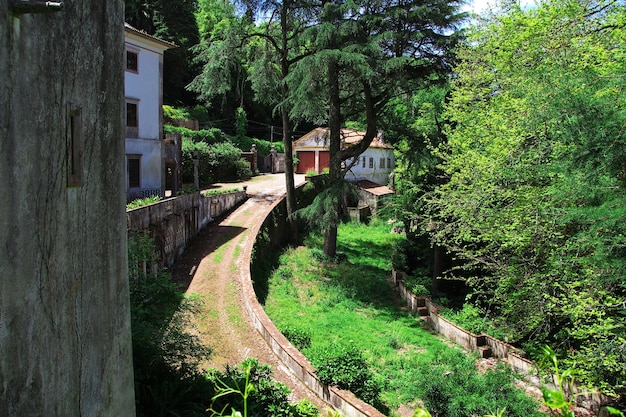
(534, 166)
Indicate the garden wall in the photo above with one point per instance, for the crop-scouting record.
(270, 236)
(173, 222)
(486, 345)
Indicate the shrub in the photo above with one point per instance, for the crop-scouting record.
(165, 355)
(301, 339)
(343, 366)
(266, 398)
(173, 113)
(452, 387)
(419, 285)
(217, 161)
(210, 193)
(140, 202)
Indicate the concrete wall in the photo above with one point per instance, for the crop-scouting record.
(65, 344)
(270, 236)
(175, 221)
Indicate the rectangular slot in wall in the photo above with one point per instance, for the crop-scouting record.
(74, 145)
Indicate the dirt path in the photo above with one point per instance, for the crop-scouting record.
(212, 268)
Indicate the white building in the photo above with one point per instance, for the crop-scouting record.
(143, 80)
(375, 164)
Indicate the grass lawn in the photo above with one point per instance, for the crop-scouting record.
(348, 304)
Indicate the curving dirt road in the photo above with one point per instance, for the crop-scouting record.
(212, 267)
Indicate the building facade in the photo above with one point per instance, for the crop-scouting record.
(375, 164)
(143, 80)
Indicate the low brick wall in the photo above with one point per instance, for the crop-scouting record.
(269, 236)
(173, 222)
(499, 349)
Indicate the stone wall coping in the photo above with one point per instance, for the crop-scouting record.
(343, 401)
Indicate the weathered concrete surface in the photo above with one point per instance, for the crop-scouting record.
(65, 347)
(172, 223)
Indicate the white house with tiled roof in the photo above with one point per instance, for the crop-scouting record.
(143, 81)
(375, 164)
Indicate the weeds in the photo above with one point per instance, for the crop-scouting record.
(140, 202)
(359, 336)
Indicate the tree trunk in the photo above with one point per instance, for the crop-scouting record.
(437, 268)
(289, 169)
(334, 124)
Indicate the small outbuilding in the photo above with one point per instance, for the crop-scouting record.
(375, 164)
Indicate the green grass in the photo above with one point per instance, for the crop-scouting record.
(351, 304)
(211, 193)
(140, 202)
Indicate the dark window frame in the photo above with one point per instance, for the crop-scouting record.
(133, 171)
(132, 118)
(132, 64)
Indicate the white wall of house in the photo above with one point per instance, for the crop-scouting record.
(144, 89)
(150, 154)
(383, 163)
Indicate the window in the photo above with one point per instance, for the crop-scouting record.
(363, 162)
(132, 61)
(132, 118)
(382, 163)
(388, 162)
(371, 162)
(133, 166)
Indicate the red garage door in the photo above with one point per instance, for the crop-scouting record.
(324, 160)
(306, 162)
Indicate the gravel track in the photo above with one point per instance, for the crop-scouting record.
(212, 268)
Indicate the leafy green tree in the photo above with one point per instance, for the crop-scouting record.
(272, 49)
(534, 163)
(369, 52)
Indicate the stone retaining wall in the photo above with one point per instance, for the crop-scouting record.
(269, 236)
(477, 343)
(173, 222)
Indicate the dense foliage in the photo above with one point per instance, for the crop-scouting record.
(216, 162)
(173, 21)
(167, 355)
(534, 199)
(343, 316)
(219, 155)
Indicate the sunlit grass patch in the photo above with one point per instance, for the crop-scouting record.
(348, 306)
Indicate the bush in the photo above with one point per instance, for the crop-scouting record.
(452, 387)
(419, 286)
(343, 366)
(216, 162)
(267, 397)
(140, 202)
(210, 193)
(301, 339)
(165, 355)
(208, 136)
